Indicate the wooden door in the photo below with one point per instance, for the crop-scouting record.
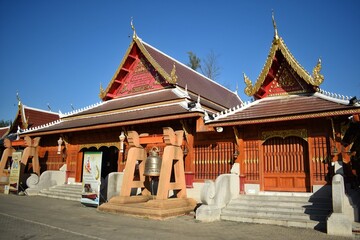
(286, 165)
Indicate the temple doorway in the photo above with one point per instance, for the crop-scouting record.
(286, 165)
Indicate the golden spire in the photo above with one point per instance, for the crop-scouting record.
(276, 36)
(133, 28)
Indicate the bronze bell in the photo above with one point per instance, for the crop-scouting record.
(153, 163)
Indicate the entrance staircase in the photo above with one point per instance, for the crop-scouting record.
(297, 210)
(67, 191)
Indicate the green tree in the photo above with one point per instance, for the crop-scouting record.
(209, 68)
(194, 61)
(5, 123)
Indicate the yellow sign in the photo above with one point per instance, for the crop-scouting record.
(15, 172)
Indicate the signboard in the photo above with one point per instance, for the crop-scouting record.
(91, 178)
(15, 172)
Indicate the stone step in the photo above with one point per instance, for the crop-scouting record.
(300, 210)
(66, 191)
(280, 221)
(69, 187)
(285, 198)
(306, 210)
(286, 202)
(66, 197)
(275, 214)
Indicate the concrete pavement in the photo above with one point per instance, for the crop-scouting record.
(24, 217)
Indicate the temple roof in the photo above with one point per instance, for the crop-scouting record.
(274, 63)
(161, 105)
(284, 108)
(27, 117)
(4, 131)
(167, 69)
(148, 86)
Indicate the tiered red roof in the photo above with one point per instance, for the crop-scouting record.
(284, 90)
(148, 86)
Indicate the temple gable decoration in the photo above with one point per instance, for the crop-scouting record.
(138, 72)
(282, 73)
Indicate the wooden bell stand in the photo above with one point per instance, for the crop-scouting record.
(159, 206)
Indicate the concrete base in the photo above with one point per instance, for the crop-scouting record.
(338, 224)
(252, 188)
(154, 209)
(208, 213)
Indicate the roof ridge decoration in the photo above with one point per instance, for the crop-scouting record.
(76, 111)
(333, 97)
(171, 77)
(278, 44)
(133, 28)
(21, 109)
(227, 112)
(50, 124)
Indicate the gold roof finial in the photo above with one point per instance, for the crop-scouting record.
(173, 74)
(318, 78)
(249, 87)
(102, 92)
(276, 36)
(18, 98)
(133, 28)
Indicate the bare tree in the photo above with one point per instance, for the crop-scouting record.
(210, 67)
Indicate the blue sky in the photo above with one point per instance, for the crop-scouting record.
(58, 52)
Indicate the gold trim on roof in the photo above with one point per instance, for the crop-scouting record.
(278, 45)
(249, 89)
(173, 75)
(318, 78)
(170, 78)
(103, 95)
(152, 61)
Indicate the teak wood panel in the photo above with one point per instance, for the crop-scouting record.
(321, 159)
(251, 161)
(286, 165)
(211, 160)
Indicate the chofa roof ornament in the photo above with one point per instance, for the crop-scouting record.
(133, 28)
(249, 89)
(318, 78)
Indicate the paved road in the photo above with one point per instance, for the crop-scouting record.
(28, 218)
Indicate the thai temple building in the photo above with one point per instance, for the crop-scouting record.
(285, 140)
(26, 117)
(293, 139)
(149, 91)
(289, 137)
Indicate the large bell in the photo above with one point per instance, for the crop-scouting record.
(153, 163)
